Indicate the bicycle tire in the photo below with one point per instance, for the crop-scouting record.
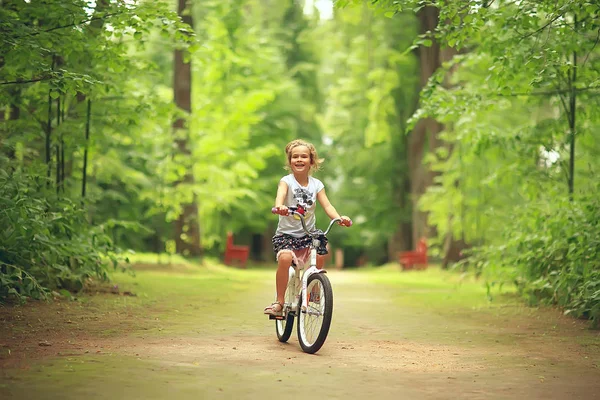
(311, 342)
(283, 327)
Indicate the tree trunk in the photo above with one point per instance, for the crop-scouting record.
(187, 230)
(14, 113)
(425, 136)
(453, 250)
(58, 161)
(454, 246)
(62, 147)
(48, 158)
(85, 151)
(572, 113)
(15, 104)
(402, 238)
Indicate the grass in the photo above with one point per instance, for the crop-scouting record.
(158, 259)
(186, 297)
(438, 289)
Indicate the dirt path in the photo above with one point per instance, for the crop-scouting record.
(390, 341)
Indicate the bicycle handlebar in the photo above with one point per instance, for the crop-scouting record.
(294, 211)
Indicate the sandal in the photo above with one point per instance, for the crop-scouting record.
(275, 309)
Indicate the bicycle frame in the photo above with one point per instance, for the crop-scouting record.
(298, 277)
(297, 274)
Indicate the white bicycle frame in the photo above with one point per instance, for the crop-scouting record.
(296, 274)
(298, 279)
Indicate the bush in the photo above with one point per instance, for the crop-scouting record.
(46, 243)
(552, 254)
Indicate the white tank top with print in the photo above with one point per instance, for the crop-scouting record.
(306, 196)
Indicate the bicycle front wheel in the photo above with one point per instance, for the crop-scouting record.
(314, 322)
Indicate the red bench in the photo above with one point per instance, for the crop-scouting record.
(235, 252)
(414, 259)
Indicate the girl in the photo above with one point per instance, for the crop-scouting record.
(290, 243)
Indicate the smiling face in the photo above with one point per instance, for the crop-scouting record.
(302, 157)
(300, 160)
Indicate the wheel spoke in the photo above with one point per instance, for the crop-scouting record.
(312, 319)
(315, 320)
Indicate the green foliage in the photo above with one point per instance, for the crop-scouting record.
(522, 90)
(509, 109)
(370, 86)
(46, 243)
(56, 58)
(551, 254)
(255, 89)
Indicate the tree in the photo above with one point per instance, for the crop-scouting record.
(425, 138)
(187, 226)
(54, 57)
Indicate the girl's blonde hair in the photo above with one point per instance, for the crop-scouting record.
(315, 161)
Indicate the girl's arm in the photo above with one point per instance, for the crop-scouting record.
(280, 197)
(330, 209)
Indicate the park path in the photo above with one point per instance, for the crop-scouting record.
(383, 344)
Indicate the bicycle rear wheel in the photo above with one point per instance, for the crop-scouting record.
(283, 327)
(314, 322)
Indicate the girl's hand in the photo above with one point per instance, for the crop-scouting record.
(345, 221)
(281, 210)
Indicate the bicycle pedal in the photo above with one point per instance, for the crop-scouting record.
(280, 317)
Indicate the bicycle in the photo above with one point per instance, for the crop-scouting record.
(308, 297)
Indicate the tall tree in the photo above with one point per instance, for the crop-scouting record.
(187, 226)
(425, 138)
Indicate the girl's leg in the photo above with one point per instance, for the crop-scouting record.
(321, 258)
(320, 261)
(284, 260)
(315, 296)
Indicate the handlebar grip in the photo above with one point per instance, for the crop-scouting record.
(276, 212)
